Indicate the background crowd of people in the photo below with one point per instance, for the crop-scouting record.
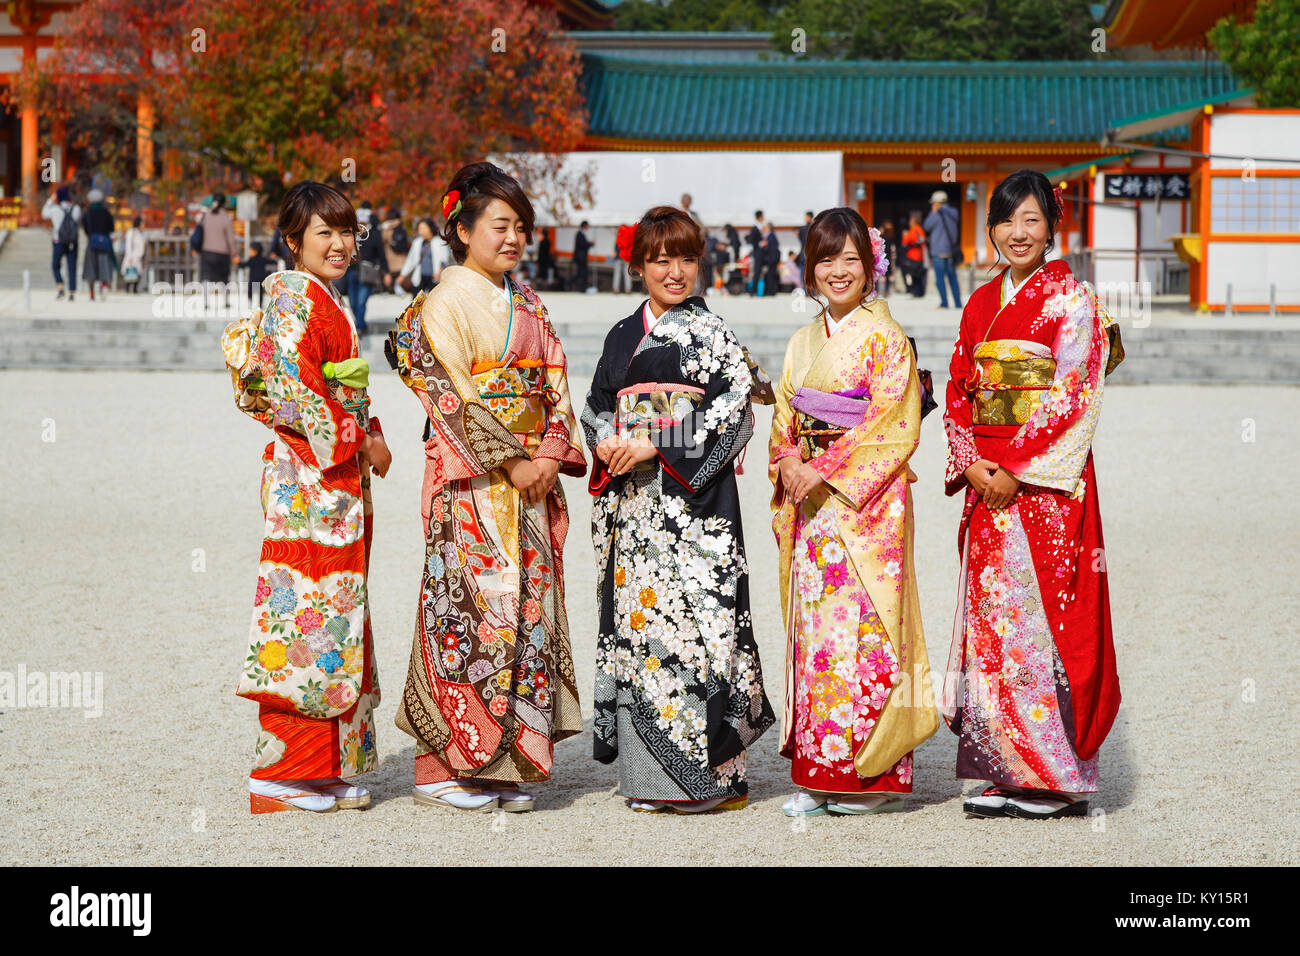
(400, 254)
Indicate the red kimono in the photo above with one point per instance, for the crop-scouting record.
(1031, 686)
(310, 659)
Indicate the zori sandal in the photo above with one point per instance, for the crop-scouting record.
(989, 802)
(719, 804)
(457, 796)
(804, 804)
(272, 796)
(510, 798)
(347, 796)
(1048, 806)
(857, 805)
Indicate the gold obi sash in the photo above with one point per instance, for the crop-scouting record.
(1014, 377)
(518, 395)
(649, 407)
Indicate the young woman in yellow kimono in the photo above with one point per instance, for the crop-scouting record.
(848, 417)
(491, 684)
(297, 369)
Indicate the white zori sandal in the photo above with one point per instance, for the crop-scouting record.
(454, 794)
(510, 797)
(347, 796)
(271, 796)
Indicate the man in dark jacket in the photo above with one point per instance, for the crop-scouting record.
(581, 247)
(756, 261)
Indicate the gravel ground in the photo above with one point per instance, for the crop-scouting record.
(129, 549)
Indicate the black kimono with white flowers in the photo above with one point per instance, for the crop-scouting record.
(679, 688)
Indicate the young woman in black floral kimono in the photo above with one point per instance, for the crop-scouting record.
(679, 689)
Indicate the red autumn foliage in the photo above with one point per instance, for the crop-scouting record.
(386, 98)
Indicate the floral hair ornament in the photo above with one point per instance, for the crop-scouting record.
(1060, 199)
(880, 261)
(451, 204)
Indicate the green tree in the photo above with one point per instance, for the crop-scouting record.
(940, 29)
(1264, 52)
(697, 15)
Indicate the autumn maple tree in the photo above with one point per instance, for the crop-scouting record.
(386, 98)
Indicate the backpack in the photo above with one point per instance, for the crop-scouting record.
(196, 237)
(399, 241)
(68, 228)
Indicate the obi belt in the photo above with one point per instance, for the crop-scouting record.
(1012, 377)
(519, 396)
(822, 417)
(649, 409)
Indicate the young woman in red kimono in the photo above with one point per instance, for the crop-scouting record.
(1031, 687)
(297, 368)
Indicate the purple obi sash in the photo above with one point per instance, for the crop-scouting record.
(822, 417)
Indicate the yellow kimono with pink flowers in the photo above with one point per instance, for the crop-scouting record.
(858, 697)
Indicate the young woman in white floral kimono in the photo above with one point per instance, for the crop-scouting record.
(297, 368)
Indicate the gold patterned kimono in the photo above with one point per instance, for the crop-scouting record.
(491, 685)
(858, 698)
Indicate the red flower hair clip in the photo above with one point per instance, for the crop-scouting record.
(451, 205)
(1060, 199)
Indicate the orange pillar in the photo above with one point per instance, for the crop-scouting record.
(30, 137)
(144, 161)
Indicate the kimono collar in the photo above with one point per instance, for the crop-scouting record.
(329, 290)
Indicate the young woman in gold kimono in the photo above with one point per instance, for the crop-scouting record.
(848, 417)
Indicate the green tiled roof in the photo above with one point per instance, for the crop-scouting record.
(1068, 101)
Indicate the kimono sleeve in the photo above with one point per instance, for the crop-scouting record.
(958, 417)
(599, 415)
(319, 428)
(782, 442)
(863, 461)
(1051, 449)
(467, 438)
(560, 441)
(716, 430)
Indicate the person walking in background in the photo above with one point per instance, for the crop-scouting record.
(755, 239)
(366, 273)
(945, 247)
(733, 240)
(64, 217)
(545, 260)
(790, 271)
(913, 263)
(771, 262)
(581, 248)
(623, 252)
(803, 240)
(259, 267)
(397, 243)
(98, 265)
(889, 234)
(219, 246)
(424, 260)
(133, 251)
